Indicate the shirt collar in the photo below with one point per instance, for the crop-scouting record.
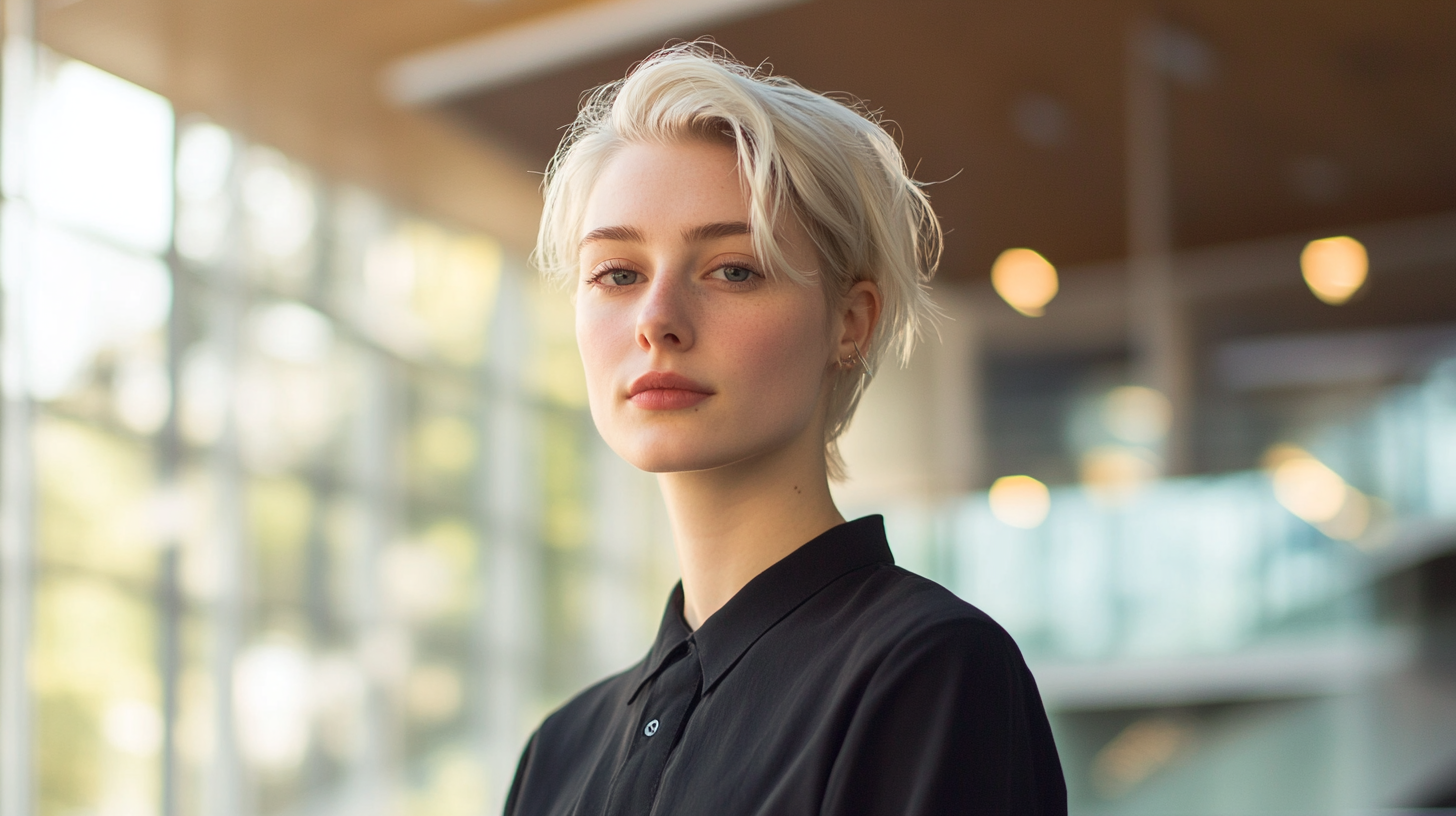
(767, 599)
(671, 633)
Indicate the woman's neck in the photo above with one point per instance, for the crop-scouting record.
(733, 522)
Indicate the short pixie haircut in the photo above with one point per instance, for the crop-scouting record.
(827, 162)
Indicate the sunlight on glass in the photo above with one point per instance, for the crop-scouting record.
(141, 391)
(554, 369)
(430, 291)
(1026, 280)
(272, 684)
(205, 392)
(205, 156)
(339, 690)
(204, 161)
(202, 230)
(1334, 268)
(455, 292)
(96, 484)
(417, 581)
(389, 284)
(279, 202)
(70, 657)
(446, 443)
(387, 653)
(94, 676)
(1137, 415)
(454, 784)
(433, 693)
(196, 732)
(280, 509)
(133, 727)
(1020, 501)
(103, 157)
(83, 298)
(292, 333)
(285, 411)
(171, 512)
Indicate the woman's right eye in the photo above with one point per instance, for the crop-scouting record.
(621, 277)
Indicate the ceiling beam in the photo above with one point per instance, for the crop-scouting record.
(552, 42)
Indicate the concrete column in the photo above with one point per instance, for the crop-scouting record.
(917, 435)
(957, 396)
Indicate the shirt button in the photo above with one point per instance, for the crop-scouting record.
(650, 729)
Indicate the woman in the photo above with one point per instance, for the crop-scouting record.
(743, 252)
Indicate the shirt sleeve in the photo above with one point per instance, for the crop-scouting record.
(513, 798)
(950, 723)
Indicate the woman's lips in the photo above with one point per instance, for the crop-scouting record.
(666, 391)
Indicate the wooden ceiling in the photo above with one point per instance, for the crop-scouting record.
(1315, 113)
(1318, 112)
(305, 76)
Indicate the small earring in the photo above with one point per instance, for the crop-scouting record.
(862, 361)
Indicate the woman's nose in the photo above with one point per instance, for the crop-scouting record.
(664, 322)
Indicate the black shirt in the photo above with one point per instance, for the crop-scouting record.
(834, 683)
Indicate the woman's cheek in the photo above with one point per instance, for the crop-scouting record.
(778, 353)
(597, 341)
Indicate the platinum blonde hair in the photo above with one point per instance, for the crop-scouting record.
(827, 162)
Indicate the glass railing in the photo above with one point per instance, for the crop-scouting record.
(1210, 565)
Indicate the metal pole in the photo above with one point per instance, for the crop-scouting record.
(1156, 317)
(227, 791)
(169, 466)
(17, 483)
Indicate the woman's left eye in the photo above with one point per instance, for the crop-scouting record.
(735, 274)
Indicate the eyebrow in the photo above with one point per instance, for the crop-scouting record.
(718, 229)
(702, 232)
(611, 234)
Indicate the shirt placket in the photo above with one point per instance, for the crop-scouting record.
(664, 713)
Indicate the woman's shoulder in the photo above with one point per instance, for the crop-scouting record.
(904, 608)
(588, 713)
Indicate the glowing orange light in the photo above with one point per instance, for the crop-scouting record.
(1138, 752)
(1334, 268)
(1308, 488)
(1026, 280)
(1115, 474)
(1020, 501)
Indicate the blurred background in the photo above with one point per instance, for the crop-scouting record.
(301, 510)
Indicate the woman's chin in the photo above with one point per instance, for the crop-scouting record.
(676, 461)
(680, 456)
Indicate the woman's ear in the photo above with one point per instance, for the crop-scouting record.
(859, 314)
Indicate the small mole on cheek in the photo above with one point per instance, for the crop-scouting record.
(797, 490)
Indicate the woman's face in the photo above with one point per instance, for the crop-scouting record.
(696, 356)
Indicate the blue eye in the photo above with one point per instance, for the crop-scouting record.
(736, 274)
(623, 277)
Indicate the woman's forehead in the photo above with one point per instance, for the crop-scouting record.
(676, 186)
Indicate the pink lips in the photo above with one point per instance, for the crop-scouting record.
(666, 391)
